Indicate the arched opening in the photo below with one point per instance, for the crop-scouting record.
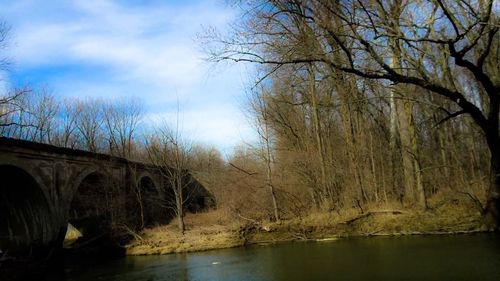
(95, 210)
(199, 199)
(25, 216)
(151, 205)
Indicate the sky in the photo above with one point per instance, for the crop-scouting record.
(122, 48)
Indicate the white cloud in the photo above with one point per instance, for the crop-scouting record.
(148, 43)
(227, 126)
(146, 50)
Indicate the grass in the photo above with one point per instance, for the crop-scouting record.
(218, 229)
(204, 231)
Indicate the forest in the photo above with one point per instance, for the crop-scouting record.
(358, 105)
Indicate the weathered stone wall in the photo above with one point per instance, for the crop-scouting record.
(58, 172)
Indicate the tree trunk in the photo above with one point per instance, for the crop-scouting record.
(395, 156)
(493, 200)
(275, 203)
(180, 214)
(406, 148)
(269, 171)
(179, 206)
(141, 205)
(327, 194)
(492, 132)
(417, 169)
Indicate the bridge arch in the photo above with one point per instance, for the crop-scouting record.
(149, 201)
(148, 176)
(28, 169)
(92, 203)
(25, 213)
(80, 177)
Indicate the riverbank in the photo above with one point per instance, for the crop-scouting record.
(217, 229)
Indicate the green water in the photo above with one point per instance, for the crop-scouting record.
(462, 257)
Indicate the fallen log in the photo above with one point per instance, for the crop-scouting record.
(371, 213)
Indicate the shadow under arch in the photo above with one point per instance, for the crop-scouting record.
(150, 204)
(147, 176)
(25, 215)
(76, 182)
(93, 210)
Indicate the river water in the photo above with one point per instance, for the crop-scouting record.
(461, 257)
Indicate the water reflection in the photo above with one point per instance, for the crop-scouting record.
(466, 257)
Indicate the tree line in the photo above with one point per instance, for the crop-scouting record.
(356, 103)
(372, 101)
(90, 124)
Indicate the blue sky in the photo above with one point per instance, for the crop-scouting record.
(146, 49)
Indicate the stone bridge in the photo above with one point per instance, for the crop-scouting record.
(43, 187)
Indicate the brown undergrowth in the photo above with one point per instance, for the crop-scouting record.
(219, 229)
(204, 231)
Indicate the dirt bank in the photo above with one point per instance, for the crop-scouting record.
(217, 230)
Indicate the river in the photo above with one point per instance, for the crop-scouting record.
(460, 257)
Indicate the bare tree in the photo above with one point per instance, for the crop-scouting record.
(41, 108)
(121, 120)
(447, 48)
(66, 135)
(10, 106)
(258, 106)
(9, 100)
(208, 167)
(171, 154)
(89, 122)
